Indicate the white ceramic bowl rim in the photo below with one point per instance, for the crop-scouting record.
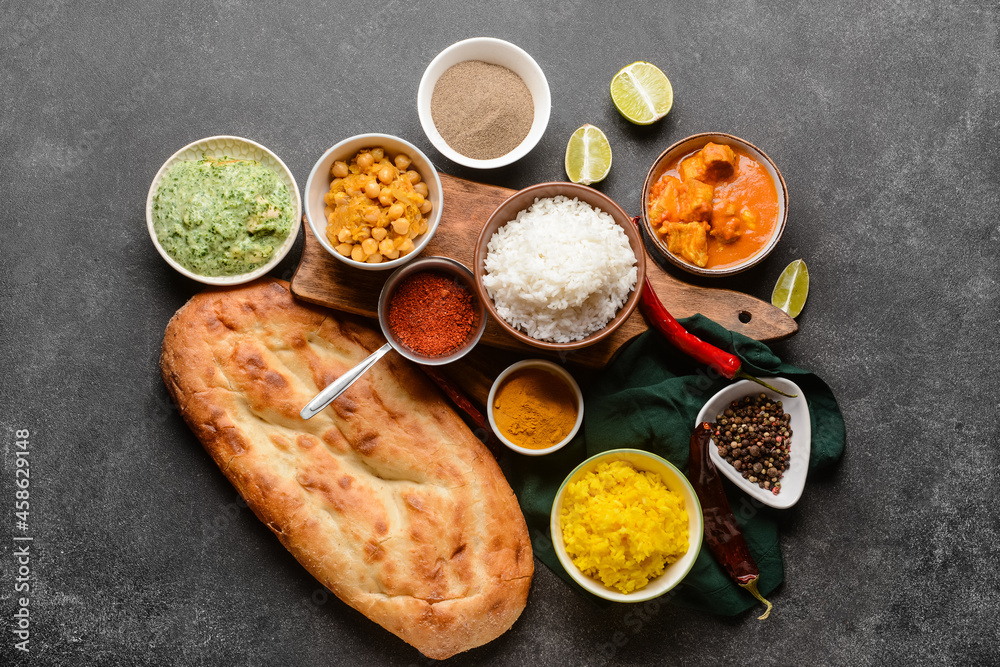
(651, 589)
(492, 50)
(317, 221)
(557, 370)
(283, 172)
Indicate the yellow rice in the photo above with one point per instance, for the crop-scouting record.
(623, 526)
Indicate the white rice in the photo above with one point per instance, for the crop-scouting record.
(560, 270)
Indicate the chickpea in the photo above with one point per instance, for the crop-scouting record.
(401, 226)
(362, 189)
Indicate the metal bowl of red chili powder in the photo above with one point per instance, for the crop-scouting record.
(430, 312)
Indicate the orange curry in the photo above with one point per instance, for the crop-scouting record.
(715, 207)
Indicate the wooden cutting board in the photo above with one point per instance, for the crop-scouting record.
(323, 280)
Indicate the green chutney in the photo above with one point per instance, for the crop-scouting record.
(221, 217)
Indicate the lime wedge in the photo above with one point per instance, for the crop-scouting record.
(642, 93)
(588, 155)
(792, 288)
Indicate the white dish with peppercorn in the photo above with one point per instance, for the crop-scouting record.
(792, 481)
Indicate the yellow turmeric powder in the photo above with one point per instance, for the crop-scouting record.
(534, 408)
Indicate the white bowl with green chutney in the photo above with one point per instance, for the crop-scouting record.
(223, 210)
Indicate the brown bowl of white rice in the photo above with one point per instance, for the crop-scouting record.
(559, 266)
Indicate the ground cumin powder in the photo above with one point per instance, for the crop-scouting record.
(534, 408)
(482, 110)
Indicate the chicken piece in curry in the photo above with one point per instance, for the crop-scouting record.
(730, 221)
(676, 201)
(714, 207)
(688, 240)
(714, 162)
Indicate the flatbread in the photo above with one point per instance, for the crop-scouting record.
(386, 497)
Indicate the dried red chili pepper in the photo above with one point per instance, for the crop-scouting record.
(463, 403)
(726, 364)
(460, 400)
(431, 314)
(722, 533)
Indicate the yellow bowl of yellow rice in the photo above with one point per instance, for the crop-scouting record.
(627, 525)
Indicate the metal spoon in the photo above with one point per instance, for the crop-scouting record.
(438, 264)
(340, 385)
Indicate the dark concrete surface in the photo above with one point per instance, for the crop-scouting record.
(883, 118)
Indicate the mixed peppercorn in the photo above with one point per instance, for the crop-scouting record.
(754, 436)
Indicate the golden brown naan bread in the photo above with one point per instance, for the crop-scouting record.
(386, 497)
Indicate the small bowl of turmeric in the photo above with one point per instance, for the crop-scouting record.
(535, 407)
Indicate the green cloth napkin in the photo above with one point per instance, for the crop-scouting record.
(648, 398)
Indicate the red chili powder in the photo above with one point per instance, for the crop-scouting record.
(431, 314)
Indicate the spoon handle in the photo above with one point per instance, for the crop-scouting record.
(340, 385)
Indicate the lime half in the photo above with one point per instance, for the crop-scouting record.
(588, 155)
(642, 93)
(792, 288)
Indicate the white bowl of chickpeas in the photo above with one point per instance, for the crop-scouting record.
(373, 201)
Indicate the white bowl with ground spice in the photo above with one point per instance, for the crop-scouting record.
(535, 407)
(484, 103)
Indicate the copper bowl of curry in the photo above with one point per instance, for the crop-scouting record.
(714, 204)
